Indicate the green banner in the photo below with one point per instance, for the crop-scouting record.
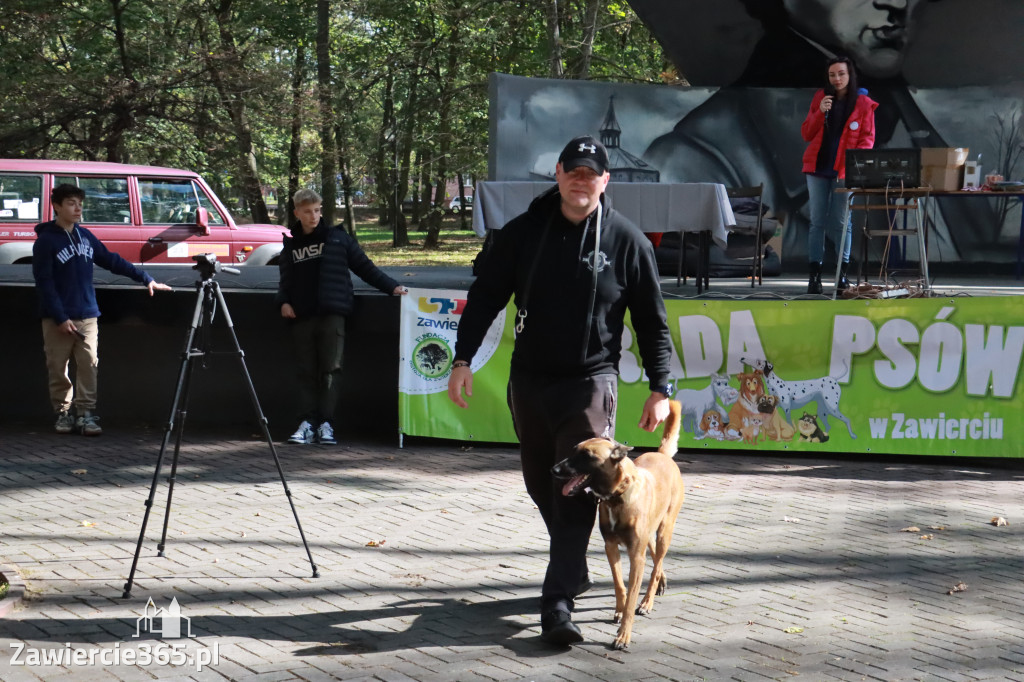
(909, 376)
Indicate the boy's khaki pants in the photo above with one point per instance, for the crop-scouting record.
(59, 349)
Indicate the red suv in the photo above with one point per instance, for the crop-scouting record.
(144, 213)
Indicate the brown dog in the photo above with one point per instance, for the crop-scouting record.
(751, 390)
(775, 427)
(639, 502)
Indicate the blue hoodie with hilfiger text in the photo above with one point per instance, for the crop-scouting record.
(62, 263)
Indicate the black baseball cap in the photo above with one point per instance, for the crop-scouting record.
(584, 151)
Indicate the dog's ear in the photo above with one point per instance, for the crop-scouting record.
(619, 451)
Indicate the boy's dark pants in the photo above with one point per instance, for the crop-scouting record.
(551, 415)
(319, 346)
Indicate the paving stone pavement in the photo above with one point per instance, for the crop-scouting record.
(431, 558)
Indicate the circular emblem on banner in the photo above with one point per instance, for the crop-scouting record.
(854, 125)
(431, 356)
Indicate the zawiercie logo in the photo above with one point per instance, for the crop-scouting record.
(166, 623)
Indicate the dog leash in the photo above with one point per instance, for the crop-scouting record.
(593, 282)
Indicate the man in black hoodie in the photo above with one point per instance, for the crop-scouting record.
(574, 266)
(315, 295)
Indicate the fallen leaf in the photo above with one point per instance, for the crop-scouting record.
(793, 630)
(999, 521)
(927, 537)
(937, 527)
(87, 524)
(79, 472)
(910, 529)
(959, 587)
(374, 543)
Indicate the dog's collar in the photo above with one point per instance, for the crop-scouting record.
(618, 492)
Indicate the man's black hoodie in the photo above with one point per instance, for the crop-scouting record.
(557, 338)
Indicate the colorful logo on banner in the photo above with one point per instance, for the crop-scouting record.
(433, 316)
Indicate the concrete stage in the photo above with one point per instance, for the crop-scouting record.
(142, 339)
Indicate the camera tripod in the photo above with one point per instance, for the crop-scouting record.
(208, 295)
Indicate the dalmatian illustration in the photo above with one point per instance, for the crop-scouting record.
(824, 391)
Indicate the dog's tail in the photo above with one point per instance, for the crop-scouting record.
(670, 436)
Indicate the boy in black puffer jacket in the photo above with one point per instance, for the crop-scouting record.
(315, 295)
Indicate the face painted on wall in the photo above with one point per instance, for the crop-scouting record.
(874, 33)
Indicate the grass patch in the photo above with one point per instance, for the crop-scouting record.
(456, 247)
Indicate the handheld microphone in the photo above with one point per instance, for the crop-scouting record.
(830, 91)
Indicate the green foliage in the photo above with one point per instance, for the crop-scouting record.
(207, 84)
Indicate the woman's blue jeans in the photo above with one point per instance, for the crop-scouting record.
(830, 211)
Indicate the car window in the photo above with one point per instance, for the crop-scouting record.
(215, 217)
(20, 197)
(174, 202)
(106, 199)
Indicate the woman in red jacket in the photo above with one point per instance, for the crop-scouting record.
(841, 117)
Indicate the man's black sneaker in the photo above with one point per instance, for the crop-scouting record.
(556, 627)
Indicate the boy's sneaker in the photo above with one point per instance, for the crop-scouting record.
(65, 423)
(325, 434)
(304, 435)
(87, 424)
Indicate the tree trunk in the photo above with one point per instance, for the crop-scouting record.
(295, 143)
(236, 106)
(328, 172)
(123, 94)
(444, 128)
(589, 33)
(423, 200)
(463, 209)
(385, 135)
(349, 219)
(401, 233)
(554, 41)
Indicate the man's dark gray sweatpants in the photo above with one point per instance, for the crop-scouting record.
(551, 415)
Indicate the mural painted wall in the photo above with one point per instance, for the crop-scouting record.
(768, 62)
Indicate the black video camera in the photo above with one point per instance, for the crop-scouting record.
(208, 265)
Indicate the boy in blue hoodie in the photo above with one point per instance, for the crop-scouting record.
(62, 261)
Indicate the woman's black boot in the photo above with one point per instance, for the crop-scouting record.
(814, 281)
(844, 283)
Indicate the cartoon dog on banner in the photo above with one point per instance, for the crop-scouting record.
(697, 403)
(824, 391)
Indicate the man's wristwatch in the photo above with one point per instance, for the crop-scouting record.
(667, 389)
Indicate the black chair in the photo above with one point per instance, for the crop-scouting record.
(754, 226)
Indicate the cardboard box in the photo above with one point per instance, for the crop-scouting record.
(943, 167)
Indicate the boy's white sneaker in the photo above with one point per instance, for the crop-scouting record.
(304, 435)
(325, 434)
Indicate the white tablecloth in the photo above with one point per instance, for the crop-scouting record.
(654, 207)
